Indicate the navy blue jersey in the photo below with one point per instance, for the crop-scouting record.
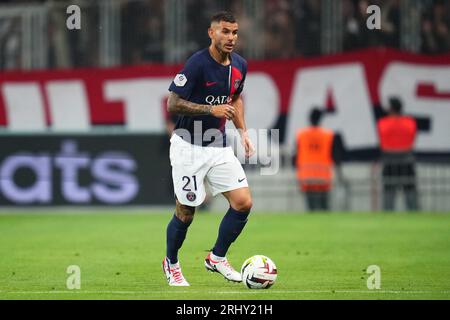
(205, 81)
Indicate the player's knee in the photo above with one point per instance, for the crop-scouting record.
(185, 213)
(243, 204)
(185, 217)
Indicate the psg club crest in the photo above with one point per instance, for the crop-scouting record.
(191, 196)
(237, 82)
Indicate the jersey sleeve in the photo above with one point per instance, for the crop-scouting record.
(184, 82)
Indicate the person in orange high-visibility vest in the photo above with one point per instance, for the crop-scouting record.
(315, 157)
(397, 134)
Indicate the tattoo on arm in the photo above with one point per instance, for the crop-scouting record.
(177, 105)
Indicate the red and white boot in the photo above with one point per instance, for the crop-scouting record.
(173, 274)
(223, 267)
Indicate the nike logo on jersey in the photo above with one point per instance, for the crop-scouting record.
(210, 83)
(240, 180)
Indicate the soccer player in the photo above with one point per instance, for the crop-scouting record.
(204, 94)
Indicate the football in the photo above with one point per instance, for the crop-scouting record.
(259, 272)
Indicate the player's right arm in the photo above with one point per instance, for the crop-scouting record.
(178, 105)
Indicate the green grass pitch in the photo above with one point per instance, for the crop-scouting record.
(319, 256)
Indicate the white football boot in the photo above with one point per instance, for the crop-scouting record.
(173, 274)
(223, 267)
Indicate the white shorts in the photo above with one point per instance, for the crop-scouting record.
(192, 165)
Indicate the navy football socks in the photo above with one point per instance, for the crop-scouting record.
(176, 233)
(230, 228)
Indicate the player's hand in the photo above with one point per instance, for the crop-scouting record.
(223, 111)
(248, 145)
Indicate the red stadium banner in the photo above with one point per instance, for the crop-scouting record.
(351, 86)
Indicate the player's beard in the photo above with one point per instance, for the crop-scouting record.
(222, 49)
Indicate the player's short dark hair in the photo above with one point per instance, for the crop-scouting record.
(395, 105)
(223, 16)
(314, 116)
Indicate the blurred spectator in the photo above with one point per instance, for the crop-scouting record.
(142, 31)
(246, 27)
(268, 29)
(436, 28)
(10, 43)
(307, 14)
(397, 134)
(356, 33)
(279, 39)
(318, 150)
(435, 25)
(83, 44)
(198, 14)
(390, 23)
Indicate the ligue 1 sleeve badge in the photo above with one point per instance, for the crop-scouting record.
(180, 80)
(237, 82)
(191, 196)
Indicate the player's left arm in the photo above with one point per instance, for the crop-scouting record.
(239, 123)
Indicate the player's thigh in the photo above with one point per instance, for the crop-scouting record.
(226, 176)
(229, 179)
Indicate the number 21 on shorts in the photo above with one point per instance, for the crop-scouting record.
(188, 182)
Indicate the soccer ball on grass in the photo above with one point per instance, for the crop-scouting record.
(259, 272)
